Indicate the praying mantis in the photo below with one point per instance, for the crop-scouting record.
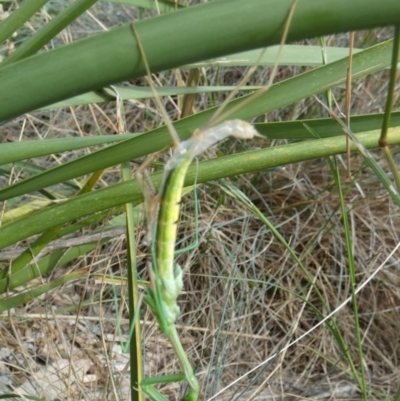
(166, 277)
(166, 281)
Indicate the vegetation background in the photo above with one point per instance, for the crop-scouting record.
(280, 247)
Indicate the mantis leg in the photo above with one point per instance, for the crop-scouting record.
(187, 375)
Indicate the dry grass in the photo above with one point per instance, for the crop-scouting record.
(245, 298)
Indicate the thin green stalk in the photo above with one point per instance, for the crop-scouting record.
(49, 31)
(194, 387)
(135, 346)
(12, 152)
(18, 17)
(388, 107)
(134, 339)
(359, 377)
(391, 86)
(135, 343)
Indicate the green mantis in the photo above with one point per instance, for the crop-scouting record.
(166, 277)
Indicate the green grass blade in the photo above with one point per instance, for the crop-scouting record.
(370, 161)
(33, 293)
(325, 127)
(18, 17)
(15, 151)
(291, 55)
(358, 376)
(135, 341)
(58, 258)
(55, 26)
(141, 93)
(136, 364)
(163, 5)
(20, 396)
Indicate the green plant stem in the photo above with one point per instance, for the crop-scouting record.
(391, 86)
(388, 107)
(392, 165)
(113, 56)
(135, 346)
(55, 26)
(135, 342)
(12, 152)
(359, 376)
(18, 17)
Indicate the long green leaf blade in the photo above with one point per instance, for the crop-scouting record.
(18, 17)
(44, 35)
